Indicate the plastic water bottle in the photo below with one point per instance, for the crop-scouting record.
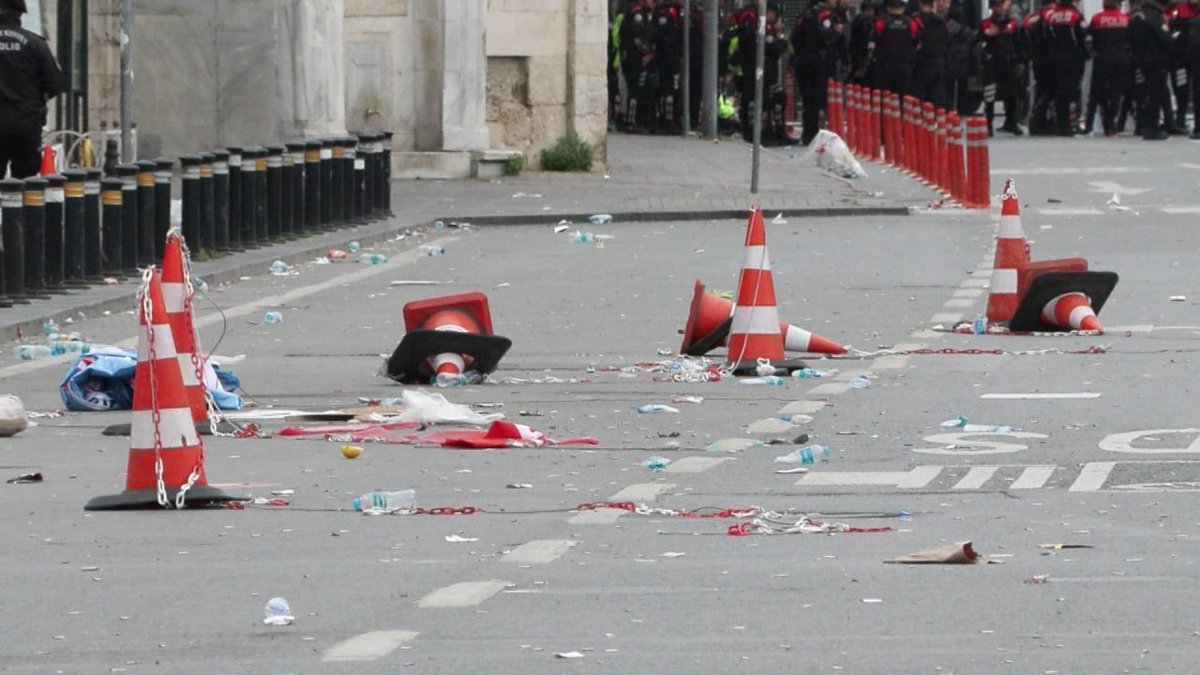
(354, 246)
(279, 268)
(50, 327)
(812, 373)
(860, 382)
(380, 500)
(373, 259)
(32, 352)
(655, 408)
(656, 463)
(430, 250)
(272, 317)
(446, 380)
(65, 337)
(769, 380)
(439, 225)
(979, 326)
(583, 237)
(278, 613)
(69, 347)
(601, 219)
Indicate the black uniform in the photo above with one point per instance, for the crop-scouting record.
(745, 57)
(816, 44)
(894, 45)
(929, 77)
(1179, 19)
(860, 41)
(1151, 47)
(668, 56)
(29, 77)
(1109, 33)
(1065, 42)
(962, 65)
(775, 51)
(1004, 59)
(1194, 60)
(641, 73)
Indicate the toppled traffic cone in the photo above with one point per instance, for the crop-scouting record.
(1073, 311)
(448, 335)
(49, 163)
(166, 455)
(1059, 301)
(754, 332)
(710, 319)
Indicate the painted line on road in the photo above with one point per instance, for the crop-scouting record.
(829, 389)
(1092, 477)
(464, 594)
(958, 303)
(968, 293)
(982, 273)
(975, 478)
(538, 552)
(1069, 170)
(849, 375)
(1040, 396)
(695, 464)
(802, 407)
(891, 362)
(926, 334)
(976, 283)
(946, 317)
(641, 492)
(915, 478)
(1181, 210)
(1069, 211)
(1032, 477)
(369, 646)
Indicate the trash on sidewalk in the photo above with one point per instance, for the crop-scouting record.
(435, 409)
(806, 455)
(26, 478)
(961, 553)
(282, 269)
(655, 408)
(278, 613)
(830, 153)
(13, 417)
(961, 424)
(656, 463)
(352, 451)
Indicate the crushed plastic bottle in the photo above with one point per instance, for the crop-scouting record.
(860, 382)
(373, 259)
(429, 250)
(439, 225)
(446, 380)
(656, 463)
(278, 613)
(807, 373)
(272, 317)
(809, 454)
(797, 419)
(73, 336)
(583, 237)
(601, 219)
(69, 347)
(770, 380)
(50, 327)
(655, 408)
(960, 423)
(381, 501)
(32, 352)
(980, 325)
(354, 246)
(280, 268)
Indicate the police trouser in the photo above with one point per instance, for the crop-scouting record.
(1154, 98)
(642, 92)
(813, 93)
(928, 83)
(1005, 87)
(895, 77)
(1109, 80)
(19, 151)
(1066, 89)
(669, 98)
(1043, 94)
(1180, 83)
(1195, 76)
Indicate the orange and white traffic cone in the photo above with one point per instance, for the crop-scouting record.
(754, 333)
(447, 336)
(1012, 253)
(710, 318)
(1072, 311)
(178, 293)
(166, 455)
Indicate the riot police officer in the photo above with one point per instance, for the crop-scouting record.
(929, 73)
(815, 39)
(894, 45)
(637, 61)
(1151, 46)
(1109, 35)
(1004, 64)
(1065, 42)
(668, 56)
(29, 77)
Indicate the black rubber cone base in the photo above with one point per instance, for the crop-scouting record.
(203, 428)
(148, 499)
(1096, 285)
(409, 365)
(709, 342)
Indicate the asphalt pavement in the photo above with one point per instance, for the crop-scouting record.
(1103, 455)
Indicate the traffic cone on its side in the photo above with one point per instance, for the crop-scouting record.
(49, 167)
(1012, 253)
(754, 333)
(710, 319)
(1072, 311)
(448, 335)
(166, 455)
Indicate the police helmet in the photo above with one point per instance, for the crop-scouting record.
(17, 6)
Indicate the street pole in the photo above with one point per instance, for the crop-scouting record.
(708, 101)
(687, 67)
(126, 81)
(758, 92)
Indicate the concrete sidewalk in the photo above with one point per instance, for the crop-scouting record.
(649, 178)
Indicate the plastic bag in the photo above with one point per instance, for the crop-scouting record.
(435, 409)
(13, 419)
(831, 154)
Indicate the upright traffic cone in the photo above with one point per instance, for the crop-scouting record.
(710, 318)
(447, 335)
(49, 165)
(178, 293)
(166, 455)
(1072, 311)
(1012, 252)
(754, 333)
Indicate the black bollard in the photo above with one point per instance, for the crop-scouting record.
(221, 200)
(338, 196)
(275, 192)
(386, 162)
(327, 184)
(12, 215)
(296, 150)
(93, 237)
(35, 238)
(74, 252)
(190, 224)
(360, 182)
(56, 253)
(285, 195)
(111, 201)
(129, 218)
(208, 231)
(349, 157)
(249, 188)
(235, 198)
(261, 232)
(377, 172)
(312, 186)
(163, 169)
(366, 148)
(146, 207)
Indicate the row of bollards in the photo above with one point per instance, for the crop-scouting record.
(65, 232)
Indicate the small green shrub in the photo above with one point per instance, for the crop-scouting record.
(569, 153)
(514, 165)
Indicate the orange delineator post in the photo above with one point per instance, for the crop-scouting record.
(832, 102)
(875, 122)
(939, 155)
(930, 119)
(911, 142)
(889, 149)
(853, 126)
(897, 132)
(954, 158)
(978, 173)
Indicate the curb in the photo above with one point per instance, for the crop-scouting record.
(688, 216)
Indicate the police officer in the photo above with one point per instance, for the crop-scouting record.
(745, 57)
(894, 45)
(1004, 63)
(1151, 46)
(815, 39)
(776, 50)
(1108, 32)
(1043, 71)
(668, 56)
(29, 77)
(1179, 18)
(929, 73)
(861, 27)
(637, 61)
(1066, 48)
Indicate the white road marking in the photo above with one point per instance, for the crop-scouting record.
(891, 362)
(1124, 442)
(976, 283)
(1138, 328)
(829, 389)
(538, 552)
(975, 478)
(1092, 477)
(982, 273)
(695, 464)
(1181, 210)
(975, 443)
(968, 293)
(926, 334)
(1032, 477)
(369, 646)
(465, 594)
(1110, 187)
(958, 303)
(1069, 170)
(1069, 211)
(1037, 396)
(917, 477)
(1189, 165)
(946, 317)
(802, 407)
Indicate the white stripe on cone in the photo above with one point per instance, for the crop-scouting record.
(164, 343)
(796, 339)
(454, 361)
(1004, 280)
(757, 258)
(1079, 314)
(755, 320)
(188, 369)
(176, 429)
(1010, 227)
(174, 295)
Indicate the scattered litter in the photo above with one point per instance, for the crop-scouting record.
(569, 655)
(1038, 579)
(1114, 204)
(13, 417)
(272, 317)
(589, 238)
(656, 463)
(1178, 298)
(278, 613)
(111, 281)
(522, 195)
(961, 553)
(665, 351)
(26, 478)
(414, 282)
(1059, 547)
(655, 408)
(529, 413)
(435, 409)
(282, 269)
(429, 250)
(559, 229)
(687, 399)
(601, 219)
(373, 259)
(779, 219)
(672, 554)
(735, 444)
(872, 601)
(769, 380)
(860, 382)
(456, 539)
(354, 246)
(283, 493)
(806, 455)
(335, 254)
(960, 422)
(794, 469)
(519, 486)
(830, 153)
(381, 502)
(351, 451)
(812, 373)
